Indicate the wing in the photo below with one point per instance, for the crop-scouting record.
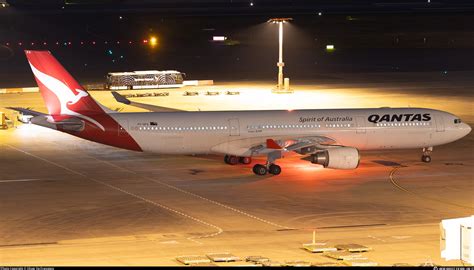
(263, 146)
(153, 108)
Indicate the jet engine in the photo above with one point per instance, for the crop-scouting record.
(337, 158)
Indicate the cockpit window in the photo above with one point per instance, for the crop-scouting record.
(457, 121)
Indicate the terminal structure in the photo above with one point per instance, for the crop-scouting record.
(144, 79)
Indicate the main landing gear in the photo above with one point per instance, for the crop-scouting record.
(270, 167)
(233, 160)
(260, 169)
(426, 157)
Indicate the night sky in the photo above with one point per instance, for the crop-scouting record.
(94, 37)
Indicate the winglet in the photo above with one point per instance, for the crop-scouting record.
(120, 98)
(271, 144)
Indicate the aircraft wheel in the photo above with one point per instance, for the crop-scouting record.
(245, 160)
(233, 160)
(226, 159)
(274, 169)
(259, 169)
(426, 159)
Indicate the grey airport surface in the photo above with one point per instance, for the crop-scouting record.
(67, 201)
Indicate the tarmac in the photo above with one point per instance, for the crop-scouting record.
(67, 201)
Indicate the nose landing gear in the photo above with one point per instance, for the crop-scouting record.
(426, 157)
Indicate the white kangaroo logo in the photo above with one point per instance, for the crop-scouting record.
(65, 95)
(78, 96)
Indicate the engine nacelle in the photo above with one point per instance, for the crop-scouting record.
(337, 158)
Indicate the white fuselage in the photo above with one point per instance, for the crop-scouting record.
(232, 132)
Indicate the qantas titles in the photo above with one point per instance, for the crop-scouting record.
(375, 118)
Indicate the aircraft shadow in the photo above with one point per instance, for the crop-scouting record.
(387, 163)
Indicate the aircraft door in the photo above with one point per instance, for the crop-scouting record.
(361, 127)
(439, 123)
(361, 136)
(234, 127)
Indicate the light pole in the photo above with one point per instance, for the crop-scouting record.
(280, 64)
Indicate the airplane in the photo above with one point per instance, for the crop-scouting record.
(329, 137)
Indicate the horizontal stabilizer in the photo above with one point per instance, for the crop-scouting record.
(26, 111)
(66, 123)
(69, 124)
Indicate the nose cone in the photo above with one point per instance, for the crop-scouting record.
(465, 129)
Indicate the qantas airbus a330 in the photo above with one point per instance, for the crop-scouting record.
(332, 138)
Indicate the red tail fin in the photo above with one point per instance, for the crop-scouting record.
(62, 94)
(66, 98)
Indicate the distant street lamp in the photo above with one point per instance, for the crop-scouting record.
(153, 41)
(280, 64)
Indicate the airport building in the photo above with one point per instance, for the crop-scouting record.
(144, 79)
